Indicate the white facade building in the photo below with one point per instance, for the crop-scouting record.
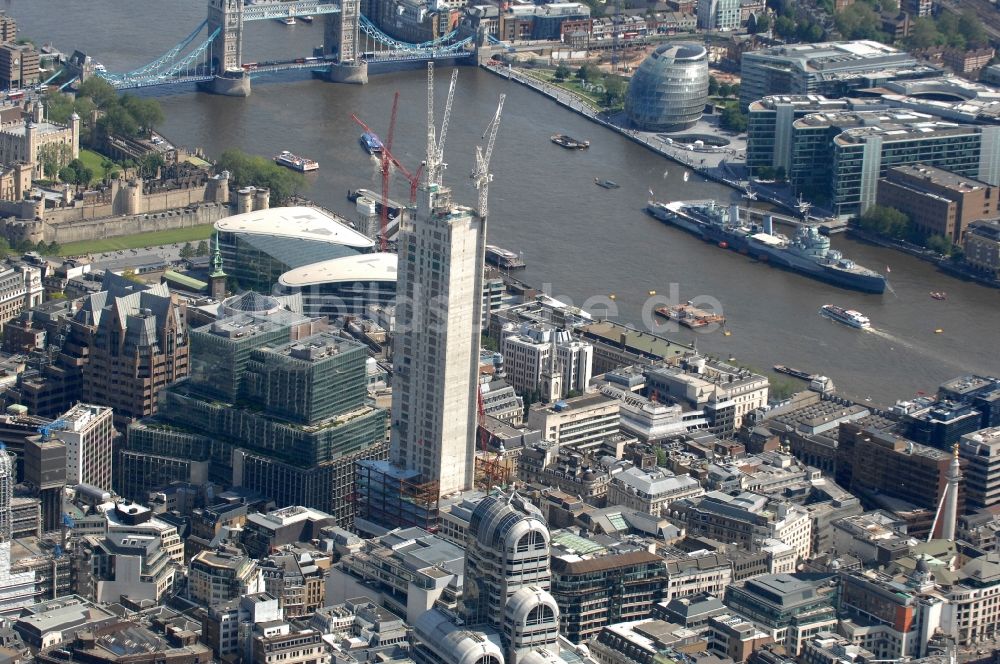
(88, 432)
(527, 354)
(718, 14)
(651, 492)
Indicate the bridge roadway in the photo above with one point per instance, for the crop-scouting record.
(264, 11)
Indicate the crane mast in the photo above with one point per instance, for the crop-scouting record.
(481, 176)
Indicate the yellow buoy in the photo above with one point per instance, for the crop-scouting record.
(938, 331)
(612, 296)
(727, 333)
(652, 292)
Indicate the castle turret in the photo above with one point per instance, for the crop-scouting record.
(219, 188)
(133, 194)
(262, 199)
(31, 147)
(244, 200)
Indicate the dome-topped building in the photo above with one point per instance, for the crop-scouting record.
(670, 89)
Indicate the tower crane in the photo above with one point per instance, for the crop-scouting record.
(481, 176)
(435, 143)
(387, 162)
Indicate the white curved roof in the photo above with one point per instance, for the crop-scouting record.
(363, 267)
(527, 598)
(300, 223)
(455, 644)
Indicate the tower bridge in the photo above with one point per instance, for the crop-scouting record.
(212, 54)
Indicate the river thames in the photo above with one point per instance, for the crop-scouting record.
(586, 243)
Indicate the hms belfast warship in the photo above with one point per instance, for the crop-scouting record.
(807, 252)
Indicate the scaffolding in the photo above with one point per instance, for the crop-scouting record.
(395, 498)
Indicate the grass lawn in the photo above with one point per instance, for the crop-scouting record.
(151, 239)
(570, 85)
(94, 162)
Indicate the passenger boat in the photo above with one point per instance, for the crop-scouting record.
(793, 372)
(848, 317)
(287, 20)
(371, 142)
(689, 315)
(503, 258)
(607, 184)
(306, 19)
(295, 162)
(569, 142)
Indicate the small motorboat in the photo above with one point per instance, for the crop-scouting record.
(607, 184)
(939, 295)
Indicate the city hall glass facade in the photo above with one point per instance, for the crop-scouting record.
(670, 89)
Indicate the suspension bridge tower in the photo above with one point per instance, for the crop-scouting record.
(340, 38)
(225, 56)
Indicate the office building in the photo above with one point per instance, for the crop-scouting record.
(747, 519)
(228, 628)
(651, 492)
(260, 245)
(508, 614)
(981, 453)
(263, 533)
(791, 608)
(45, 473)
(129, 519)
(942, 423)
(121, 565)
(736, 637)
(116, 640)
(436, 345)
(8, 28)
(644, 642)
(291, 647)
(527, 359)
(720, 15)
(274, 406)
(831, 68)
(18, 66)
(936, 201)
(724, 392)
(604, 588)
(982, 247)
(892, 617)
(222, 576)
(889, 471)
(411, 570)
(138, 345)
(669, 90)
(862, 146)
(20, 287)
(88, 433)
(580, 423)
(769, 128)
(980, 392)
(296, 575)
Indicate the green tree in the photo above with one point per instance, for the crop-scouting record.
(562, 72)
(661, 457)
(725, 90)
(53, 248)
(187, 251)
(970, 26)
(614, 90)
(752, 24)
(732, 119)
(102, 92)
(58, 106)
(885, 221)
(763, 23)
(859, 21)
(780, 174)
(202, 249)
(76, 172)
(150, 164)
(924, 34)
(589, 73)
(940, 244)
(713, 86)
(784, 27)
(117, 121)
(147, 113)
(5, 249)
(41, 248)
(247, 170)
(53, 157)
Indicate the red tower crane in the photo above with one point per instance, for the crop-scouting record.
(388, 161)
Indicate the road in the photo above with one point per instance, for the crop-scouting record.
(984, 9)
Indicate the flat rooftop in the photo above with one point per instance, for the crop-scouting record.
(940, 177)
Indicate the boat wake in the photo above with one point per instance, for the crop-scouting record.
(888, 336)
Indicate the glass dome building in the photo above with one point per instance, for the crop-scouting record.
(670, 89)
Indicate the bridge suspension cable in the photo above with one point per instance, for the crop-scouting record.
(372, 30)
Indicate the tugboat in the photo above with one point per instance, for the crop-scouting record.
(607, 184)
(569, 142)
(296, 163)
(848, 317)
